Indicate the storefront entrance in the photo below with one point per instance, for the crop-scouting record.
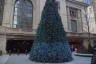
(75, 44)
(19, 46)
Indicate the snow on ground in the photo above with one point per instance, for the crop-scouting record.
(23, 59)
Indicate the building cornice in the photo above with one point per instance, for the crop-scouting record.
(77, 2)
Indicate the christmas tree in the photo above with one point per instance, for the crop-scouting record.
(51, 43)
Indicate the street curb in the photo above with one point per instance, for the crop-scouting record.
(83, 55)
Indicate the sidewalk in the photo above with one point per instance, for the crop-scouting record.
(4, 59)
(23, 59)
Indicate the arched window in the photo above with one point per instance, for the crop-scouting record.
(23, 14)
(2, 2)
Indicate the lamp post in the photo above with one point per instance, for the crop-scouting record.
(89, 34)
(93, 60)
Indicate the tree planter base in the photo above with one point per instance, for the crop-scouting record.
(32, 62)
(51, 53)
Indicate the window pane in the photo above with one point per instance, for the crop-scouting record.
(15, 18)
(28, 4)
(29, 15)
(23, 14)
(73, 12)
(14, 26)
(15, 22)
(1, 10)
(74, 25)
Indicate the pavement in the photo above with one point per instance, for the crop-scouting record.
(23, 59)
(4, 59)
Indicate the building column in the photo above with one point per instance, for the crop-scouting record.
(3, 44)
(86, 43)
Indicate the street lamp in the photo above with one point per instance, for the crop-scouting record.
(89, 34)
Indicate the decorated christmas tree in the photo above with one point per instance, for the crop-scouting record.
(51, 44)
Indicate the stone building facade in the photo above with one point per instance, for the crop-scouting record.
(94, 7)
(14, 27)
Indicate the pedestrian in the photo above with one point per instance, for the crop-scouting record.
(76, 49)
